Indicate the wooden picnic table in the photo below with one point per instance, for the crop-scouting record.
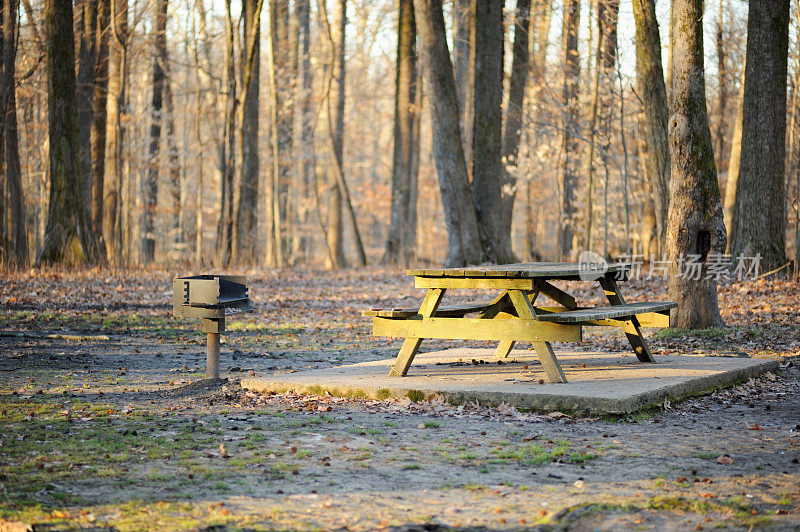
(513, 315)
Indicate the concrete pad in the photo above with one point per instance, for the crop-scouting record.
(598, 383)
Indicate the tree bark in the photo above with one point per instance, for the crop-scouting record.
(87, 65)
(336, 132)
(116, 106)
(406, 143)
(568, 175)
(487, 166)
(65, 217)
(227, 147)
(245, 228)
(303, 130)
(758, 226)
(98, 131)
(463, 242)
(722, 91)
(463, 68)
(16, 239)
(654, 97)
(520, 65)
(150, 185)
(696, 232)
(734, 162)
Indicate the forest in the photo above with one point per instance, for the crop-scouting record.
(225, 135)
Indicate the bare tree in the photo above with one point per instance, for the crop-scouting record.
(66, 217)
(654, 97)
(758, 226)
(150, 186)
(245, 226)
(98, 130)
(463, 67)
(487, 166)
(303, 128)
(115, 130)
(14, 241)
(463, 243)
(520, 65)
(696, 229)
(399, 245)
(568, 175)
(227, 158)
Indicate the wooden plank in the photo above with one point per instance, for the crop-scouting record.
(504, 348)
(477, 329)
(448, 311)
(411, 345)
(544, 350)
(557, 295)
(546, 270)
(473, 283)
(601, 313)
(631, 327)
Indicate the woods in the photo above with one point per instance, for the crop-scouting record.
(340, 134)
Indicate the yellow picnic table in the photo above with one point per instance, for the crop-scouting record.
(513, 315)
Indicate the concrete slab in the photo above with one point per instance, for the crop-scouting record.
(598, 383)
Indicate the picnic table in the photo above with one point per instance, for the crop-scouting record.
(513, 315)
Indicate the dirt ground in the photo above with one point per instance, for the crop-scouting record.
(107, 423)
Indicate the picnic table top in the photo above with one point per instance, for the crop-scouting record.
(547, 270)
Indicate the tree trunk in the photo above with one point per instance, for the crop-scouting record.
(175, 226)
(487, 166)
(605, 60)
(734, 162)
(227, 147)
(98, 131)
(245, 228)
(406, 143)
(569, 171)
(541, 11)
(696, 234)
(304, 132)
(65, 217)
(520, 65)
(654, 96)
(16, 238)
(150, 186)
(463, 243)
(336, 120)
(722, 91)
(463, 63)
(758, 226)
(87, 65)
(115, 130)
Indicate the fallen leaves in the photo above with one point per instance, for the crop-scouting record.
(725, 460)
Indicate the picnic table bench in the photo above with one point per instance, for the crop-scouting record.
(513, 316)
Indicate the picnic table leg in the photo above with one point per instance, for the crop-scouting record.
(543, 349)
(631, 328)
(504, 348)
(410, 345)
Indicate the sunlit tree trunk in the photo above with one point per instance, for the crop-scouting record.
(459, 210)
(734, 162)
(245, 227)
(98, 132)
(654, 97)
(406, 143)
(463, 62)
(722, 90)
(696, 231)
(520, 65)
(150, 188)
(115, 130)
(227, 147)
(568, 174)
(758, 226)
(303, 133)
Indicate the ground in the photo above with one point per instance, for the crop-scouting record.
(106, 422)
